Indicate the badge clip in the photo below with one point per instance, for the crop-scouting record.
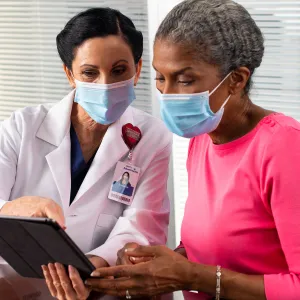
(131, 136)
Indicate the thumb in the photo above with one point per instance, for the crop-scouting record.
(56, 214)
(144, 251)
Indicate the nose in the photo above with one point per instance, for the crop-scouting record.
(102, 79)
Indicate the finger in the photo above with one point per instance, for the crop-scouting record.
(144, 251)
(49, 281)
(131, 246)
(56, 282)
(125, 260)
(77, 283)
(118, 271)
(119, 262)
(138, 260)
(56, 213)
(117, 286)
(65, 282)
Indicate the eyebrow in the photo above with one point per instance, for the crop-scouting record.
(88, 65)
(121, 60)
(179, 72)
(114, 64)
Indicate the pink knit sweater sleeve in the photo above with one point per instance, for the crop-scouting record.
(280, 186)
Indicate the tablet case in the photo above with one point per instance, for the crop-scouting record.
(28, 243)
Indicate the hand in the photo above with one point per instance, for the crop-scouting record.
(33, 206)
(167, 272)
(71, 287)
(124, 259)
(62, 286)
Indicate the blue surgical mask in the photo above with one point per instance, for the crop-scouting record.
(105, 103)
(189, 115)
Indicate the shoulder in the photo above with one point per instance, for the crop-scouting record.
(151, 127)
(27, 119)
(279, 127)
(281, 136)
(280, 122)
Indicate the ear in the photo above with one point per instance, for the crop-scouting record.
(238, 80)
(138, 71)
(69, 76)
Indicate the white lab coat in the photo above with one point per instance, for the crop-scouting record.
(35, 161)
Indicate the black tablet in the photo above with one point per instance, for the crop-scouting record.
(28, 243)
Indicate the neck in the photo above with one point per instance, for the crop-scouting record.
(87, 130)
(232, 127)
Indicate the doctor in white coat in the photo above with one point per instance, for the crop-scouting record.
(59, 161)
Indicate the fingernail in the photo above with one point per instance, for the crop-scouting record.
(71, 269)
(132, 258)
(129, 249)
(57, 265)
(95, 274)
(86, 282)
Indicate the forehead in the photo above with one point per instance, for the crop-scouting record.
(166, 52)
(170, 57)
(103, 49)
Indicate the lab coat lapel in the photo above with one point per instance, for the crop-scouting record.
(60, 166)
(111, 150)
(55, 130)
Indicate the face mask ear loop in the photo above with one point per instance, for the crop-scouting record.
(223, 105)
(219, 84)
(74, 79)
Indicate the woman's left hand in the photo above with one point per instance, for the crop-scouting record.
(62, 286)
(68, 287)
(124, 259)
(166, 273)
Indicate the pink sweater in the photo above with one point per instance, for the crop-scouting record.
(243, 209)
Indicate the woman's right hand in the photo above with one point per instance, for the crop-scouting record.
(32, 206)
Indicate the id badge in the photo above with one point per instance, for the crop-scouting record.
(124, 183)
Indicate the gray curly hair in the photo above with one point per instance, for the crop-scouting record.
(221, 32)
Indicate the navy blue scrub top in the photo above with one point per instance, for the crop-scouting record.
(79, 167)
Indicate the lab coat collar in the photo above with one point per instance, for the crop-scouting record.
(111, 150)
(57, 121)
(55, 130)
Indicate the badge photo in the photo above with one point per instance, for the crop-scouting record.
(124, 183)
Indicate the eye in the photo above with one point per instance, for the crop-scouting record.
(186, 83)
(89, 73)
(159, 79)
(119, 71)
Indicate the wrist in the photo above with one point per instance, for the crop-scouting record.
(202, 279)
(187, 274)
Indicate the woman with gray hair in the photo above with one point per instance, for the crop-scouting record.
(241, 231)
